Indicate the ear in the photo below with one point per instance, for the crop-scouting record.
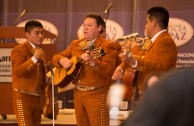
(27, 34)
(154, 22)
(99, 28)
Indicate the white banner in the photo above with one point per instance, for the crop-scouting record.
(5, 65)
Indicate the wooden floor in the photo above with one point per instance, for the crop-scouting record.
(62, 120)
(66, 117)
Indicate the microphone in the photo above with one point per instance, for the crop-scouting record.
(129, 36)
(92, 46)
(108, 8)
(50, 67)
(21, 15)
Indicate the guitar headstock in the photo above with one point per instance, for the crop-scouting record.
(97, 52)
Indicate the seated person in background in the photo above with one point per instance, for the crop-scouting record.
(167, 103)
(151, 79)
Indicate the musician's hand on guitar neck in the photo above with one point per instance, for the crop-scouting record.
(65, 62)
(127, 57)
(118, 73)
(88, 58)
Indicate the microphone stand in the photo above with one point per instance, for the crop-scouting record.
(107, 15)
(21, 15)
(53, 93)
(107, 11)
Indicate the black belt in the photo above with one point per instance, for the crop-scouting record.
(35, 93)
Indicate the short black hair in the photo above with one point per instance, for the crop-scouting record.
(31, 24)
(160, 14)
(99, 21)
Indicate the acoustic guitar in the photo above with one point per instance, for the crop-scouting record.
(63, 77)
(48, 108)
(50, 96)
(129, 75)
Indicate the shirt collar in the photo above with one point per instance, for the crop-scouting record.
(33, 46)
(91, 42)
(156, 35)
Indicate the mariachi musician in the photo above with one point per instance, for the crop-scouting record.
(159, 52)
(93, 79)
(28, 76)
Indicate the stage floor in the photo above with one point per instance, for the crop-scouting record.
(66, 117)
(67, 120)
